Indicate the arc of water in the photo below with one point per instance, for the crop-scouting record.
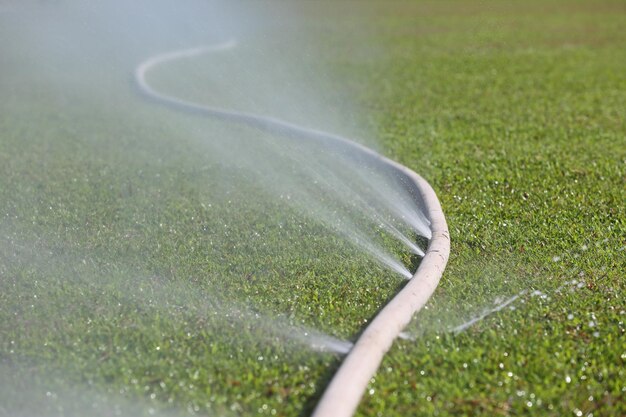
(274, 126)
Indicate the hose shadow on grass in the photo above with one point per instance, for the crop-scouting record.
(322, 382)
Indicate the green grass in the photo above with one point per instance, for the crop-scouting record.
(133, 240)
(516, 118)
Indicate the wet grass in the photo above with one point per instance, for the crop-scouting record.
(140, 269)
(146, 271)
(137, 268)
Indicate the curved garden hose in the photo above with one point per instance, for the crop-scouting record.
(344, 392)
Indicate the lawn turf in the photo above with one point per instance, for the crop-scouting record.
(513, 112)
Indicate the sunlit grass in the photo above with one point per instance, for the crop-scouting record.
(136, 265)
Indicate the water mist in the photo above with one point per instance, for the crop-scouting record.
(143, 246)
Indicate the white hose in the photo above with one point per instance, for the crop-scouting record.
(344, 392)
